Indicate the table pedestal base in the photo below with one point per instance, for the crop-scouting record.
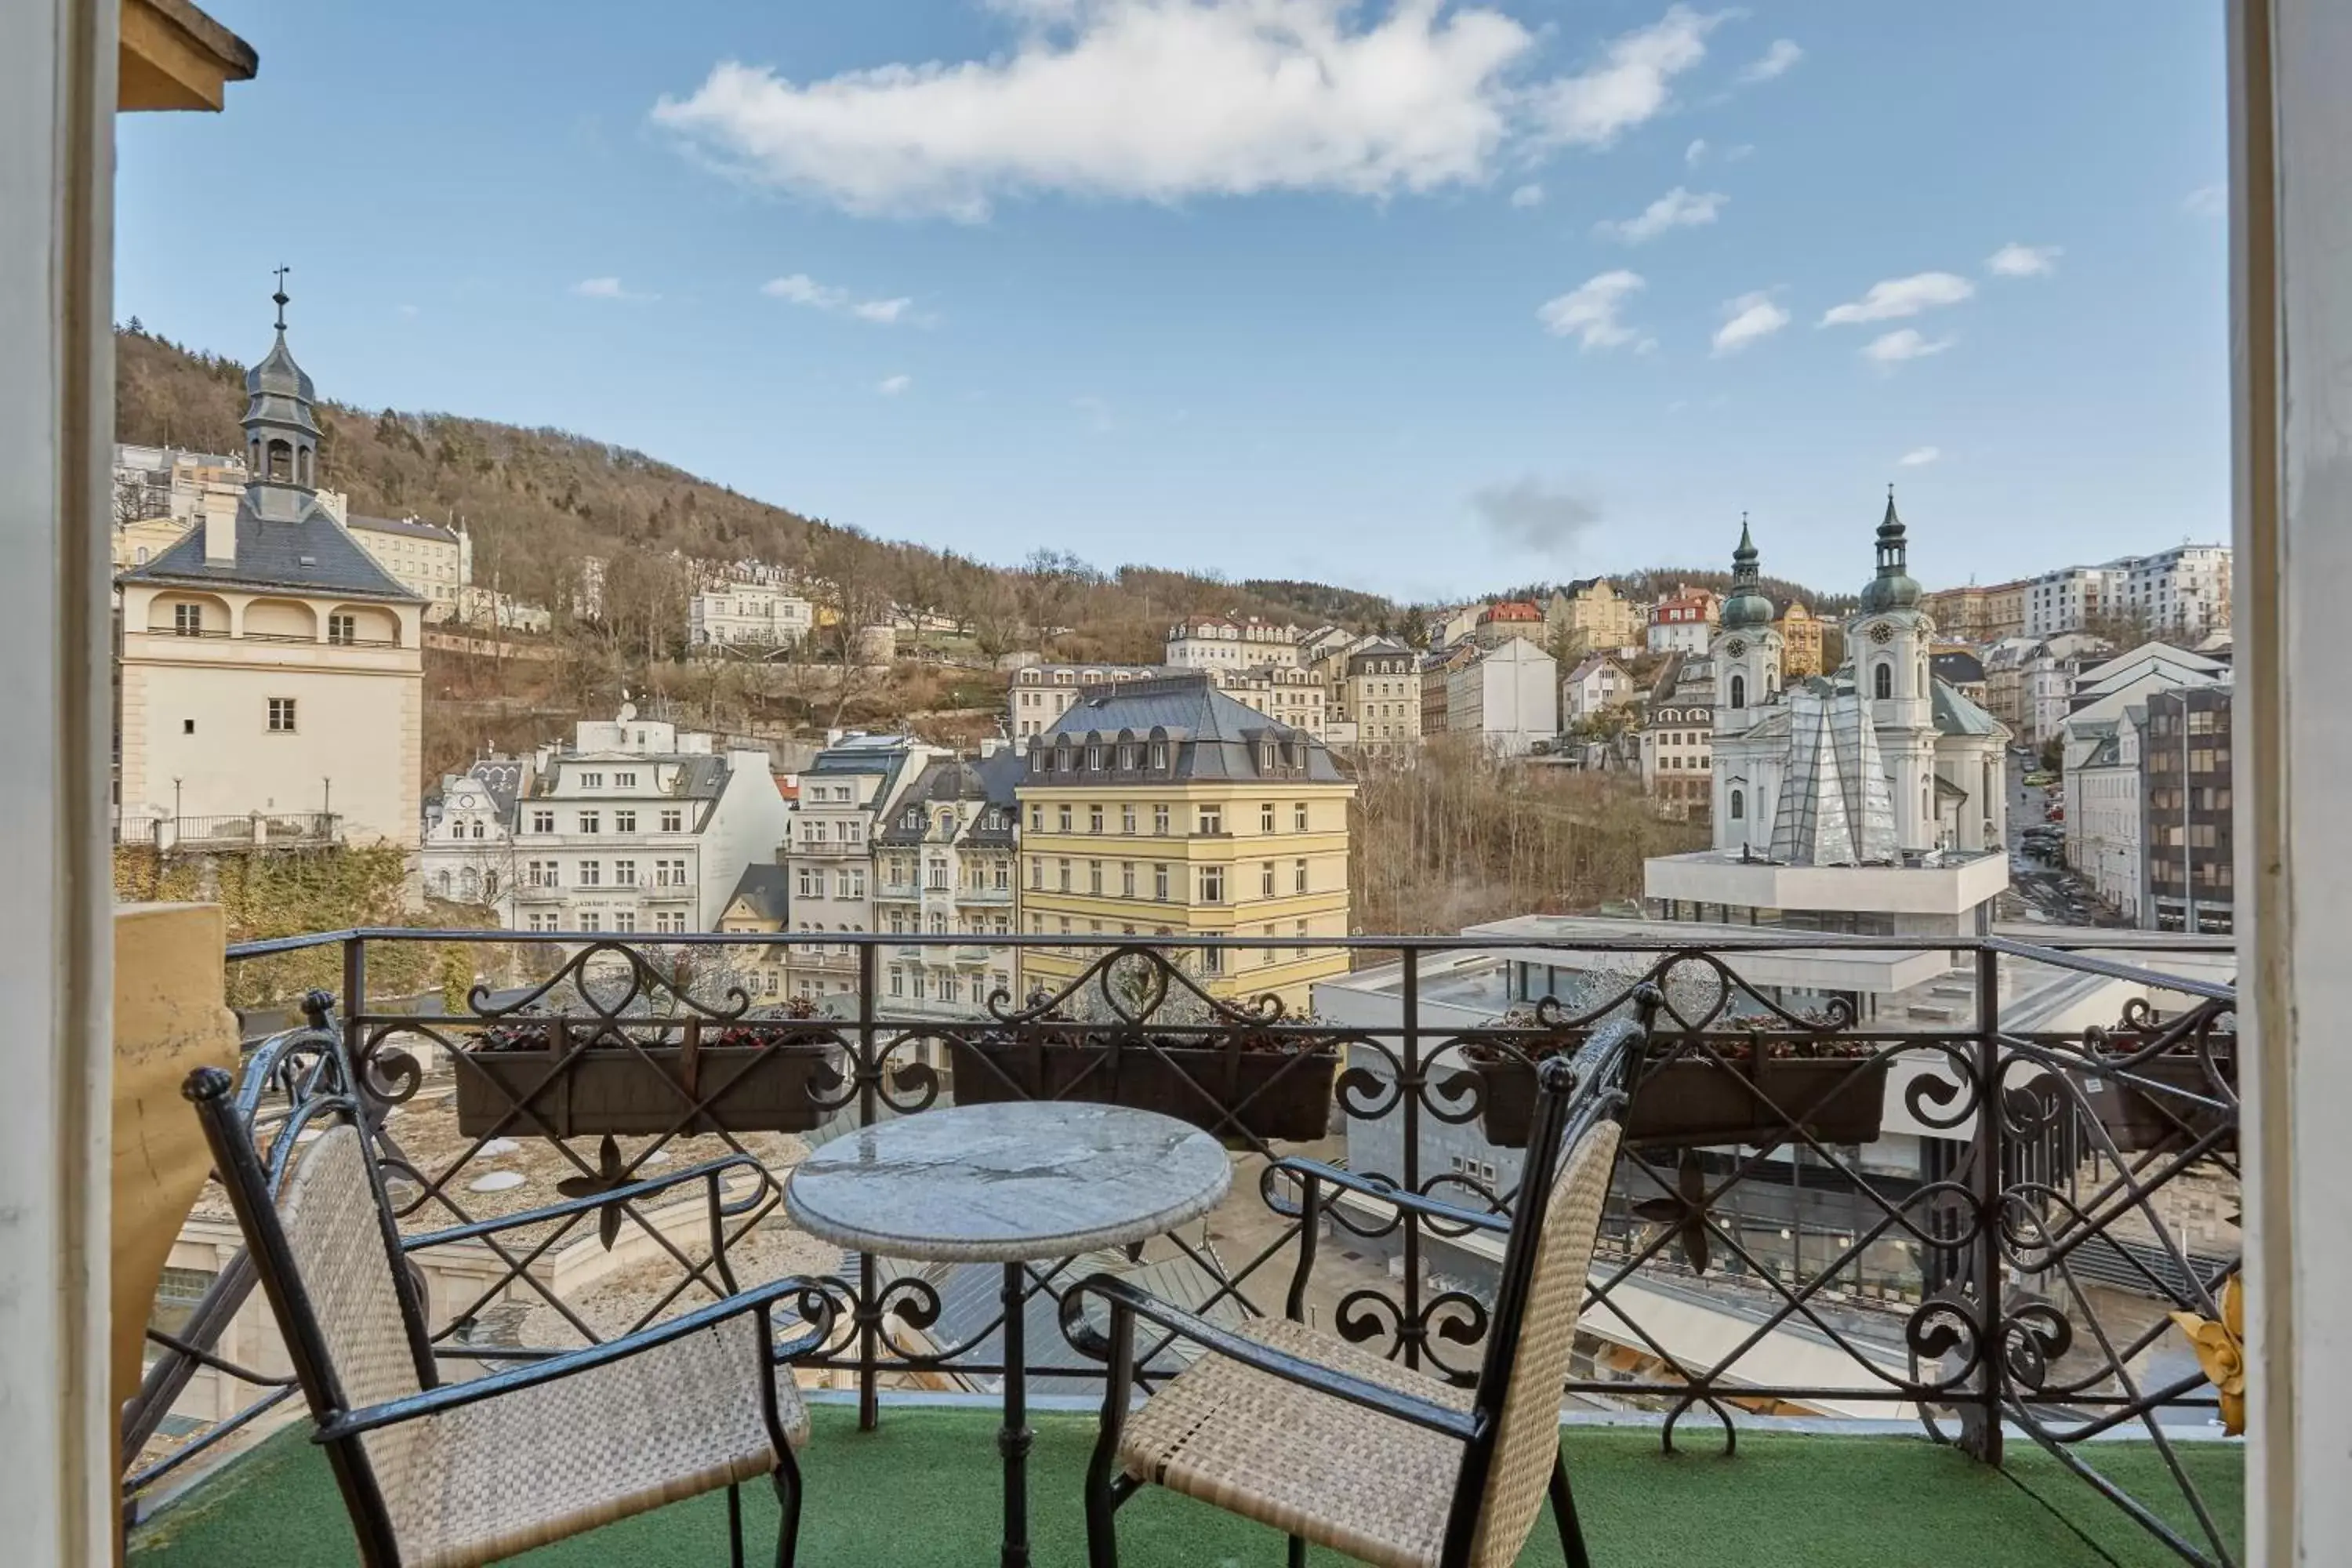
(1014, 1439)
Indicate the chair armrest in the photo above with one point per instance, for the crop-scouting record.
(629, 1193)
(450, 1396)
(1419, 1203)
(1129, 1303)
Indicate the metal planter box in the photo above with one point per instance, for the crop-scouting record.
(1280, 1095)
(644, 1088)
(1700, 1103)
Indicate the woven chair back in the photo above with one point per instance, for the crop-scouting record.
(343, 1269)
(1527, 1438)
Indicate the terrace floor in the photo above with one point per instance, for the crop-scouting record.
(922, 1493)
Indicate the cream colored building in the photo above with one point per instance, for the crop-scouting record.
(434, 563)
(1597, 615)
(1215, 643)
(1037, 695)
(1168, 808)
(1374, 685)
(271, 676)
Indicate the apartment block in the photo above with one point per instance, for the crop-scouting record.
(1595, 616)
(1800, 641)
(638, 826)
(2186, 785)
(1166, 807)
(1374, 685)
(944, 866)
(1037, 695)
(754, 616)
(1684, 621)
(1507, 697)
(1223, 643)
(434, 563)
(846, 793)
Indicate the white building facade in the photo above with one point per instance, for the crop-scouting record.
(467, 855)
(747, 616)
(639, 828)
(944, 866)
(1219, 644)
(828, 847)
(1507, 697)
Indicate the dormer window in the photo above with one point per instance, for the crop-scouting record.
(1158, 754)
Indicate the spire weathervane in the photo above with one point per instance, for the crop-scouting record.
(278, 299)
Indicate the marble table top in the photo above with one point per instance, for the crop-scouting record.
(1010, 1182)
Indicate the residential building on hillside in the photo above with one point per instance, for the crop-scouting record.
(943, 864)
(170, 481)
(2074, 598)
(1285, 693)
(1435, 669)
(1593, 686)
(1978, 615)
(468, 851)
(137, 544)
(2029, 681)
(2185, 781)
(2183, 589)
(434, 563)
(478, 605)
(845, 792)
(747, 616)
(1595, 616)
(2004, 610)
(1038, 694)
(1510, 618)
(1677, 737)
(270, 673)
(639, 827)
(1374, 685)
(1684, 621)
(1507, 697)
(1961, 670)
(1800, 641)
(1215, 642)
(1166, 807)
(1444, 629)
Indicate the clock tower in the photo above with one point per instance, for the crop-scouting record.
(1887, 640)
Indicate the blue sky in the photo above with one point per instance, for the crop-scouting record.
(1426, 299)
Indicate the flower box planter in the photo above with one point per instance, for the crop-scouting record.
(1697, 1102)
(1293, 1104)
(2138, 1119)
(762, 1076)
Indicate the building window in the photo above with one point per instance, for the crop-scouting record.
(1739, 805)
(1062, 871)
(624, 919)
(1094, 819)
(590, 921)
(1298, 817)
(1298, 876)
(625, 781)
(1213, 884)
(1036, 819)
(342, 629)
(1158, 754)
(1739, 691)
(1882, 681)
(849, 884)
(1127, 819)
(1093, 878)
(188, 620)
(625, 821)
(281, 715)
(1159, 820)
(1213, 960)
(1036, 875)
(1064, 819)
(673, 822)
(1266, 879)
(1159, 882)
(624, 873)
(1126, 878)
(1265, 817)
(591, 872)
(592, 781)
(1212, 819)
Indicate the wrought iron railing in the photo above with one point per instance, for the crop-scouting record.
(1983, 1224)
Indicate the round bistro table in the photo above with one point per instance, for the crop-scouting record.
(1015, 1183)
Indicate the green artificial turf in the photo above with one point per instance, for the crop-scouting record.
(923, 1492)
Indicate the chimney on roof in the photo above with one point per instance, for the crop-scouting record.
(220, 528)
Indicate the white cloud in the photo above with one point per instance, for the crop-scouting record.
(1919, 457)
(892, 385)
(1528, 515)
(1588, 312)
(2206, 201)
(800, 289)
(1749, 318)
(607, 289)
(1693, 153)
(2015, 261)
(1633, 82)
(1164, 100)
(1678, 208)
(1158, 99)
(1899, 297)
(1894, 348)
(1774, 61)
(1528, 196)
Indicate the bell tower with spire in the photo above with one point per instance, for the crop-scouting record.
(1747, 647)
(1888, 639)
(281, 432)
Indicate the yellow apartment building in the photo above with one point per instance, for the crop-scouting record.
(1165, 808)
(1800, 641)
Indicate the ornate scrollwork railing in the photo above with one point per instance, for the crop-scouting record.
(1979, 1224)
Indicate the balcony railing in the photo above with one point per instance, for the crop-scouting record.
(245, 830)
(1981, 1224)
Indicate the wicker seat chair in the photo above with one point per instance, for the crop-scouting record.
(1336, 1445)
(448, 1475)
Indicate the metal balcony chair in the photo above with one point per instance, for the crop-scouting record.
(1337, 1446)
(448, 1474)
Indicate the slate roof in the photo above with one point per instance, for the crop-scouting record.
(989, 781)
(415, 528)
(503, 777)
(1955, 715)
(765, 890)
(1215, 736)
(310, 554)
(1959, 669)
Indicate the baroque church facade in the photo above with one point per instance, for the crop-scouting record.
(1877, 764)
